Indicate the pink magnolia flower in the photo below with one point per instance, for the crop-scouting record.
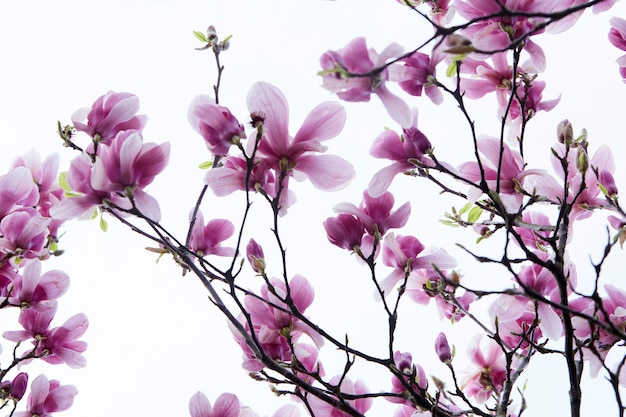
(120, 172)
(512, 172)
(57, 345)
(344, 231)
(62, 345)
(617, 36)
(412, 144)
(591, 195)
(215, 124)
(206, 239)
(230, 176)
(375, 213)
(354, 73)
(110, 114)
(226, 405)
(34, 290)
(47, 397)
(298, 156)
(24, 234)
(497, 32)
(404, 255)
(423, 75)
(17, 189)
(491, 374)
(271, 318)
(414, 376)
(321, 408)
(45, 175)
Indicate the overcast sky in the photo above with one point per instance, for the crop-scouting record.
(154, 339)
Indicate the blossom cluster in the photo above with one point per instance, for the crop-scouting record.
(29, 192)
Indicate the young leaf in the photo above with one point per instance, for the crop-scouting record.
(474, 214)
(200, 36)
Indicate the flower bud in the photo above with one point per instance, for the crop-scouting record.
(582, 160)
(458, 44)
(565, 132)
(607, 183)
(442, 348)
(254, 253)
(18, 386)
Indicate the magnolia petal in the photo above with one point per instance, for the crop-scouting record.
(324, 122)
(326, 172)
(266, 99)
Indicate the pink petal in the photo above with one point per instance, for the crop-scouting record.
(199, 406)
(226, 405)
(267, 99)
(326, 172)
(323, 122)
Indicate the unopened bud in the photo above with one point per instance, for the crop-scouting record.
(458, 44)
(565, 132)
(582, 161)
(442, 348)
(607, 183)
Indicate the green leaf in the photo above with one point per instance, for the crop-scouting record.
(465, 208)
(63, 182)
(226, 39)
(200, 36)
(451, 70)
(474, 214)
(205, 165)
(103, 224)
(448, 223)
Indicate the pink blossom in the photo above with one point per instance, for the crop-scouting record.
(226, 405)
(216, 124)
(375, 213)
(344, 231)
(591, 195)
(206, 239)
(120, 172)
(423, 75)
(354, 73)
(230, 176)
(45, 175)
(414, 376)
(404, 255)
(298, 156)
(80, 178)
(491, 373)
(62, 345)
(271, 318)
(17, 189)
(57, 345)
(362, 405)
(110, 114)
(47, 397)
(617, 36)
(24, 234)
(412, 144)
(34, 290)
(497, 32)
(511, 174)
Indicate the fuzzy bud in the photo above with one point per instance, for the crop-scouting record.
(565, 132)
(442, 348)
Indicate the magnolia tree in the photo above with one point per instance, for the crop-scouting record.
(536, 306)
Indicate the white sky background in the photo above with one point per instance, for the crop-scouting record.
(154, 339)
